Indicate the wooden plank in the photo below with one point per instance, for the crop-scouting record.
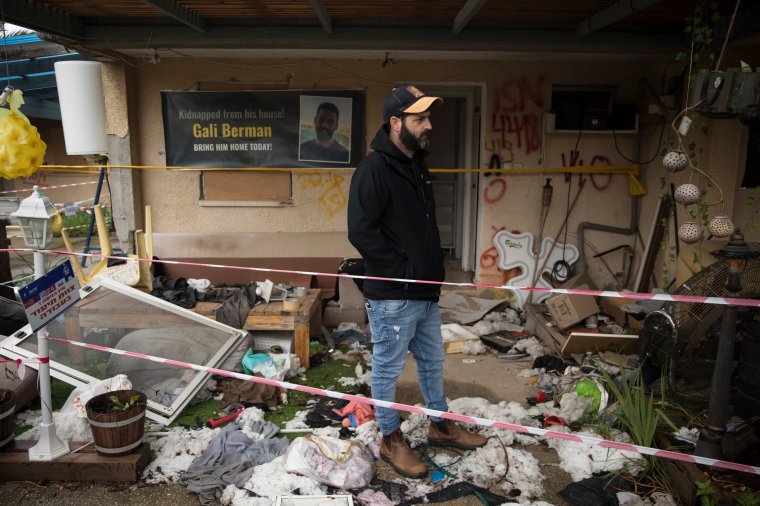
(85, 465)
(246, 186)
(457, 346)
(270, 316)
(582, 342)
(538, 324)
(301, 332)
(74, 333)
(207, 309)
(268, 323)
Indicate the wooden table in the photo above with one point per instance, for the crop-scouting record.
(271, 316)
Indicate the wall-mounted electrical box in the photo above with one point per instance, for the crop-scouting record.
(590, 108)
(724, 93)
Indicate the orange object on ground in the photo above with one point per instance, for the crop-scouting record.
(356, 414)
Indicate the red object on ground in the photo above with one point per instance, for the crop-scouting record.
(362, 413)
(553, 420)
(234, 410)
(540, 396)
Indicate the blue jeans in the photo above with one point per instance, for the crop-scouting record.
(398, 326)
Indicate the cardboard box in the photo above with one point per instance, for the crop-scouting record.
(611, 307)
(335, 315)
(567, 309)
(349, 293)
(350, 307)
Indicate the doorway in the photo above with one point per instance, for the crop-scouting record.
(455, 144)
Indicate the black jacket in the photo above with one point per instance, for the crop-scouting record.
(391, 221)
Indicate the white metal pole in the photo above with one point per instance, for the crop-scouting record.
(49, 447)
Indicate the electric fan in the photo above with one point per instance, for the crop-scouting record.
(684, 336)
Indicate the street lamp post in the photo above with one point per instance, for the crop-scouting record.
(736, 252)
(34, 214)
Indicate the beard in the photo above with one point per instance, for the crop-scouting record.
(324, 134)
(410, 141)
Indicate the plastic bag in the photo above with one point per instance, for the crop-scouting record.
(80, 395)
(22, 150)
(333, 462)
(272, 366)
(588, 387)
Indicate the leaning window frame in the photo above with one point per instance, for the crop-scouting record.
(156, 411)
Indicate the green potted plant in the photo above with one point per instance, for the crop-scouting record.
(117, 421)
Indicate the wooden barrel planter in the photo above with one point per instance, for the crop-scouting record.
(7, 409)
(115, 431)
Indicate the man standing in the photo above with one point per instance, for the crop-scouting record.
(391, 222)
(324, 148)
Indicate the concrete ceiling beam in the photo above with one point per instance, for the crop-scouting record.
(611, 14)
(465, 15)
(324, 16)
(36, 16)
(180, 13)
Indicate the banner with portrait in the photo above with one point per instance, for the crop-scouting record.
(294, 128)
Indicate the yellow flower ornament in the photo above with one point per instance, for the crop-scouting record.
(22, 150)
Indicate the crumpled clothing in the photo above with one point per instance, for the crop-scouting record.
(324, 414)
(456, 491)
(350, 336)
(549, 362)
(331, 461)
(249, 392)
(236, 303)
(392, 490)
(356, 414)
(231, 458)
(374, 498)
(596, 490)
(176, 291)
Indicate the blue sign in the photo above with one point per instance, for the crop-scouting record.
(46, 298)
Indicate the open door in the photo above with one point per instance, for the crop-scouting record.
(454, 144)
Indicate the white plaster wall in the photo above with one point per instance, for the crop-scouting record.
(516, 94)
(519, 93)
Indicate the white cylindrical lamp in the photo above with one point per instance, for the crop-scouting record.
(83, 108)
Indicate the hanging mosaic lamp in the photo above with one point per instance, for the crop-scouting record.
(687, 193)
(721, 226)
(675, 161)
(690, 232)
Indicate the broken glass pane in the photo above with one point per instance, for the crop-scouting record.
(117, 316)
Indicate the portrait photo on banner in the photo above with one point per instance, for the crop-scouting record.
(325, 129)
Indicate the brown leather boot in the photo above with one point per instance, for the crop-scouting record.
(395, 451)
(447, 433)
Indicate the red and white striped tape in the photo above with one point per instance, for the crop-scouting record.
(549, 434)
(665, 297)
(26, 190)
(19, 361)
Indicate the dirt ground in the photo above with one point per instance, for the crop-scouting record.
(494, 380)
(487, 377)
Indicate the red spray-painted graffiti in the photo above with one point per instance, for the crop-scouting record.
(489, 264)
(576, 160)
(512, 120)
(495, 190)
(525, 127)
